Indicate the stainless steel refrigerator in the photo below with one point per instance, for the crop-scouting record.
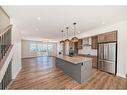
(107, 57)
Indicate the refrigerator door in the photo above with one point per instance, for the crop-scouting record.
(112, 52)
(109, 66)
(101, 51)
(106, 51)
(107, 57)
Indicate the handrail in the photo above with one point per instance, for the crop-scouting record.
(6, 29)
(5, 41)
(4, 59)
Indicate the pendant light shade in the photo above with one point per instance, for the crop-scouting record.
(62, 41)
(74, 39)
(67, 40)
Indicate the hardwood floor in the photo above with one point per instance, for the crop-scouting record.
(41, 73)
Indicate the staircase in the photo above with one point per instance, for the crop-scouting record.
(5, 49)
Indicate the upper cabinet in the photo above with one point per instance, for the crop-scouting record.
(80, 44)
(94, 42)
(87, 41)
(108, 37)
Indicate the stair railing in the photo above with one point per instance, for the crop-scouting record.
(5, 41)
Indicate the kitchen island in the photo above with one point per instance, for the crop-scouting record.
(78, 67)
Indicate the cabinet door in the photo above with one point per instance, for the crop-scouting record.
(94, 42)
(111, 36)
(76, 47)
(94, 62)
(101, 38)
(108, 37)
(80, 44)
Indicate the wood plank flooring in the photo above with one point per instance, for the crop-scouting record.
(41, 73)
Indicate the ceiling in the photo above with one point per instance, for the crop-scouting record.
(46, 22)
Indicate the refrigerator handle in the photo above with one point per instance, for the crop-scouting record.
(108, 53)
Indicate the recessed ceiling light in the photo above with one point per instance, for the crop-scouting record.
(36, 29)
(38, 18)
(78, 31)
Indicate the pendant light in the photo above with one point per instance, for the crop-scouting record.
(67, 40)
(74, 39)
(62, 41)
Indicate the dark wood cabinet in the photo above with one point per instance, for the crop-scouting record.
(111, 36)
(94, 42)
(76, 47)
(94, 62)
(108, 37)
(80, 42)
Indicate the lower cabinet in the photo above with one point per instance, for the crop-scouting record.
(94, 62)
(7, 77)
(94, 59)
(94, 42)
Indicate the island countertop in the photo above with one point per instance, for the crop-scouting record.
(74, 59)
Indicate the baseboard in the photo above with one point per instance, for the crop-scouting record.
(14, 76)
(36, 57)
(122, 75)
(10, 84)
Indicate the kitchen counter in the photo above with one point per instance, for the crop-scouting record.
(74, 59)
(87, 55)
(77, 67)
(94, 59)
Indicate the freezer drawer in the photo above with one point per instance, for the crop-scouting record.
(100, 65)
(107, 66)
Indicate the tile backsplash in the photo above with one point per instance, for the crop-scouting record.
(88, 50)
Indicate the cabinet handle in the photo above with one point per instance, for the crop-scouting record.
(82, 64)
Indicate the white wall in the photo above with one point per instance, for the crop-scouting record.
(26, 49)
(16, 41)
(122, 43)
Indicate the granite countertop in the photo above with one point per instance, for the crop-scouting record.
(87, 55)
(74, 59)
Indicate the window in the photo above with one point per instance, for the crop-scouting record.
(40, 47)
(33, 47)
